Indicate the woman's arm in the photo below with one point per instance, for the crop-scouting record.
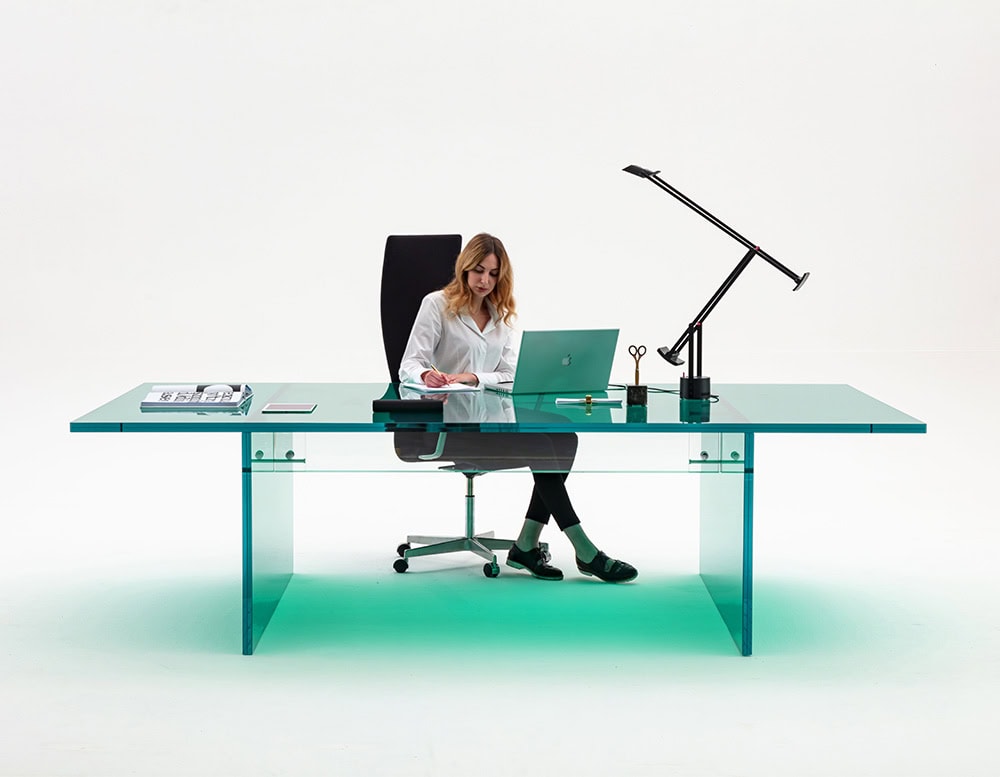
(506, 365)
(469, 378)
(415, 366)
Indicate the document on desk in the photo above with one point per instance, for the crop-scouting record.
(452, 388)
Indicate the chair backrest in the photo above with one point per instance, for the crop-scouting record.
(413, 266)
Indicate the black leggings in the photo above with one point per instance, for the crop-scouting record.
(550, 457)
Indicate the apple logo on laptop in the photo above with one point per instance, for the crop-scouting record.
(567, 360)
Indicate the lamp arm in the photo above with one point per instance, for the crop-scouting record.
(654, 177)
(671, 354)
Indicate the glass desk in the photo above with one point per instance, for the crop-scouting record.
(713, 439)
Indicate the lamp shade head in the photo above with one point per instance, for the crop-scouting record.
(670, 356)
(642, 172)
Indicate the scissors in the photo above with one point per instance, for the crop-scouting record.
(637, 352)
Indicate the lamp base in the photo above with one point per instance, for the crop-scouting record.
(696, 387)
(695, 411)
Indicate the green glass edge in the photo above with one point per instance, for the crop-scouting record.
(780, 409)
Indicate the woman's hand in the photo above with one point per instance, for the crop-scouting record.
(435, 379)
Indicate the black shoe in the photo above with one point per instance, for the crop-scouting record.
(608, 569)
(534, 561)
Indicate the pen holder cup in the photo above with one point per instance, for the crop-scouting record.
(636, 414)
(636, 395)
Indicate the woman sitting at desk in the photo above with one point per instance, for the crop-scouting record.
(462, 334)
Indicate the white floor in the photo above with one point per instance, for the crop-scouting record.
(875, 641)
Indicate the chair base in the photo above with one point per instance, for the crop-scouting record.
(481, 544)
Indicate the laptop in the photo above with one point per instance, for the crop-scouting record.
(562, 360)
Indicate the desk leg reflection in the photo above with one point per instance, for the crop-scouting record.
(726, 553)
(267, 529)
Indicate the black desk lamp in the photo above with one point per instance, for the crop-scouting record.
(696, 385)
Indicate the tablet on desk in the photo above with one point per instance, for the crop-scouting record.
(289, 407)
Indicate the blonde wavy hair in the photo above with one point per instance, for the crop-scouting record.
(457, 294)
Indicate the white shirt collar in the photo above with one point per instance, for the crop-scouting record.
(470, 322)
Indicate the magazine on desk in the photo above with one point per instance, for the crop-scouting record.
(197, 396)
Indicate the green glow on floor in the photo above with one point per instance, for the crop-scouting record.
(454, 610)
(448, 611)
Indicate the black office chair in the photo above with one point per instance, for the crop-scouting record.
(415, 265)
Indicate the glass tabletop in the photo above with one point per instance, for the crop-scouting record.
(347, 407)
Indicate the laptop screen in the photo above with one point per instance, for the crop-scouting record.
(562, 360)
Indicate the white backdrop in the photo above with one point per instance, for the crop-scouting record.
(202, 190)
(205, 188)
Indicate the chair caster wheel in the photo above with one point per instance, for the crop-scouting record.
(491, 570)
(400, 564)
(401, 550)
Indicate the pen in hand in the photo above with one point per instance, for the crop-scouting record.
(443, 376)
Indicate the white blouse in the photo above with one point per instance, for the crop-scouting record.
(455, 344)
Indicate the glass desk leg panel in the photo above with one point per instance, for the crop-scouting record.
(726, 551)
(267, 529)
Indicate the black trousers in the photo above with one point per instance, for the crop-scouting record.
(549, 456)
